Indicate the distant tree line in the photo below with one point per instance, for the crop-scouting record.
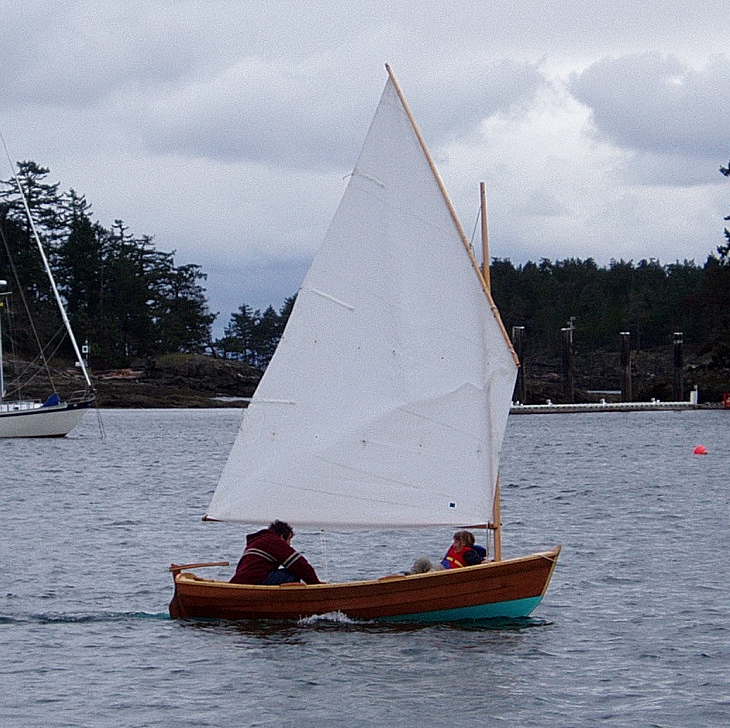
(127, 298)
(648, 299)
(131, 300)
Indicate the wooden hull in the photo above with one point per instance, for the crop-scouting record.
(509, 588)
(55, 421)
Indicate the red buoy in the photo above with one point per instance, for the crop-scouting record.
(700, 450)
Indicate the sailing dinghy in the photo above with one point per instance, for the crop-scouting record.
(384, 406)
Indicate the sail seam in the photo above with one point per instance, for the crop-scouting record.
(358, 173)
(328, 297)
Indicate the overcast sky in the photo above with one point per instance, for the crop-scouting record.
(226, 129)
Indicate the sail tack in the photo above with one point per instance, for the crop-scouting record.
(386, 401)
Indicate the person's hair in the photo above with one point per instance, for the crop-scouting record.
(284, 529)
(466, 537)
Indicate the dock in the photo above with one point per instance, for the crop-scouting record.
(653, 405)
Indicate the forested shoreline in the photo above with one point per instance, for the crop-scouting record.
(132, 302)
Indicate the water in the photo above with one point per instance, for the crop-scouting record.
(635, 630)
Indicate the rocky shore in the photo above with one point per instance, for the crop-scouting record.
(173, 380)
(194, 380)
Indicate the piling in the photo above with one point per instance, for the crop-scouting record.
(518, 342)
(678, 384)
(626, 394)
(567, 359)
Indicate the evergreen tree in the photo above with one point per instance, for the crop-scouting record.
(239, 334)
(20, 257)
(182, 317)
(80, 266)
(252, 336)
(267, 333)
(724, 250)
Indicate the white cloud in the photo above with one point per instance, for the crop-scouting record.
(225, 129)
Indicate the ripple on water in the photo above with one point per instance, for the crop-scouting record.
(634, 631)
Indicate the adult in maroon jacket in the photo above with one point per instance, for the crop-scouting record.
(266, 551)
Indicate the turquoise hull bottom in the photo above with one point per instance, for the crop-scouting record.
(511, 609)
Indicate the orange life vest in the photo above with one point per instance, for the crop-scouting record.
(455, 558)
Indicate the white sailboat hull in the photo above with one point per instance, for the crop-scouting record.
(55, 421)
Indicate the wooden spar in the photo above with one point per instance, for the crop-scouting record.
(485, 236)
(496, 524)
(497, 521)
(174, 568)
(452, 210)
(497, 502)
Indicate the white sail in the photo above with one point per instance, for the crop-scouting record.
(386, 401)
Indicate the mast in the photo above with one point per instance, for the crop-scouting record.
(47, 267)
(485, 236)
(496, 523)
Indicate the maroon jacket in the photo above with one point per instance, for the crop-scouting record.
(266, 551)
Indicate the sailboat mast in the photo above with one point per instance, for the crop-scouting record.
(497, 503)
(57, 295)
(485, 236)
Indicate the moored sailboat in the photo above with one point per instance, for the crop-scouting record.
(384, 406)
(53, 417)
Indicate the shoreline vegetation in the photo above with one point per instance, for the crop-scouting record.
(203, 381)
(145, 323)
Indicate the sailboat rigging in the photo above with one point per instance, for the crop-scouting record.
(394, 377)
(54, 417)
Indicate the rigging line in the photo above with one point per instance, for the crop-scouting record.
(25, 302)
(21, 382)
(57, 295)
(474, 231)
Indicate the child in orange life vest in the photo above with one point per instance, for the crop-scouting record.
(463, 552)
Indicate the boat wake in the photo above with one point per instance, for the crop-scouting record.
(329, 618)
(79, 618)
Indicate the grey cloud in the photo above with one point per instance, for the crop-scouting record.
(657, 104)
(258, 112)
(542, 203)
(667, 169)
(456, 102)
(79, 54)
(308, 117)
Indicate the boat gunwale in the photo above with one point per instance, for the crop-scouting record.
(189, 577)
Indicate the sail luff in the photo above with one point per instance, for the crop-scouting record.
(452, 209)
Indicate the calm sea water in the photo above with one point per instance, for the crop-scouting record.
(635, 630)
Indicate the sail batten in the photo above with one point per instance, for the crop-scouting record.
(399, 368)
